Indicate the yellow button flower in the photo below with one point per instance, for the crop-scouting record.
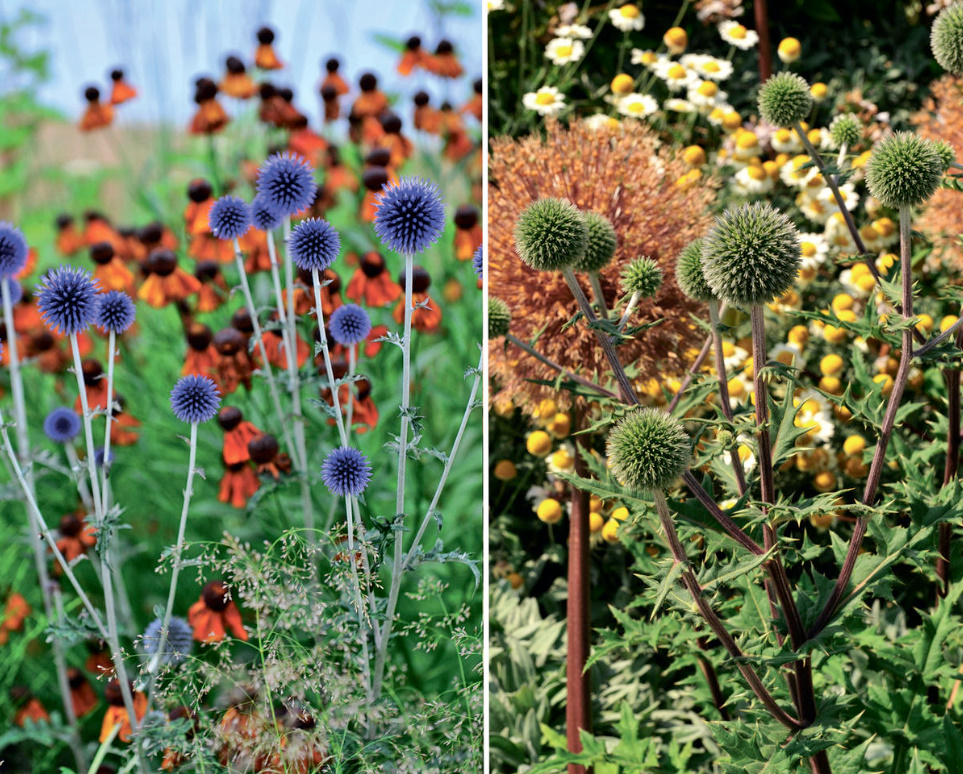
(596, 522)
(819, 91)
(789, 50)
(505, 470)
(676, 40)
(825, 481)
(854, 445)
(831, 365)
(549, 511)
(694, 156)
(622, 84)
(539, 444)
(610, 531)
(621, 513)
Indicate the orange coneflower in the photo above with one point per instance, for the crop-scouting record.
(444, 62)
(304, 295)
(234, 365)
(82, 694)
(333, 77)
(215, 613)
(458, 143)
(276, 351)
(371, 284)
(214, 290)
(69, 240)
(264, 451)
(238, 484)
(98, 229)
(123, 425)
(468, 232)
(373, 341)
(371, 101)
(374, 179)
(109, 270)
(28, 707)
(264, 56)
(332, 103)
(365, 412)
(117, 713)
(238, 433)
(210, 117)
(236, 82)
(121, 91)
(426, 316)
(340, 177)
(97, 115)
(307, 143)
(167, 282)
(15, 612)
(76, 536)
(413, 56)
(476, 104)
(95, 384)
(426, 118)
(400, 147)
(201, 357)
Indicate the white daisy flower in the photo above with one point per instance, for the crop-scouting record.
(599, 121)
(746, 455)
(564, 50)
(628, 18)
(562, 460)
(753, 180)
(678, 105)
(815, 250)
(708, 67)
(837, 232)
(494, 5)
(798, 171)
(733, 356)
(736, 35)
(812, 208)
(573, 31)
(547, 101)
(816, 416)
(786, 141)
(647, 58)
(676, 76)
(706, 95)
(846, 190)
(637, 105)
(787, 354)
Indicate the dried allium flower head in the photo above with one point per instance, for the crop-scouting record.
(624, 174)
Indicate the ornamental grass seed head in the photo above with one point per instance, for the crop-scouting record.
(349, 325)
(648, 449)
(230, 218)
(751, 255)
(346, 471)
(314, 244)
(499, 318)
(785, 99)
(114, 312)
(551, 234)
(601, 245)
(13, 250)
(688, 273)
(846, 129)
(195, 399)
(62, 425)
(904, 170)
(179, 642)
(946, 38)
(642, 276)
(67, 300)
(410, 216)
(286, 181)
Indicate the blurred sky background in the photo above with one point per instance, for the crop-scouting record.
(163, 45)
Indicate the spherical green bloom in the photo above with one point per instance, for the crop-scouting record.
(602, 241)
(784, 99)
(642, 276)
(751, 255)
(946, 153)
(499, 317)
(904, 170)
(648, 449)
(688, 273)
(946, 38)
(551, 234)
(846, 129)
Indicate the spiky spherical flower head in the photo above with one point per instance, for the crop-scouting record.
(904, 170)
(263, 216)
(178, 644)
(13, 250)
(115, 312)
(785, 99)
(846, 129)
(551, 234)
(314, 244)
(946, 39)
(688, 273)
(478, 261)
(68, 300)
(62, 425)
(648, 449)
(946, 152)
(195, 399)
(230, 218)
(499, 318)
(349, 325)
(642, 276)
(346, 471)
(751, 255)
(410, 215)
(601, 244)
(286, 181)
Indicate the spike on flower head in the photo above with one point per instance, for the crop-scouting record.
(785, 99)
(478, 261)
(601, 244)
(499, 318)
(178, 643)
(688, 273)
(263, 216)
(642, 276)
(904, 170)
(648, 449)
(946, 38)
(551, 234)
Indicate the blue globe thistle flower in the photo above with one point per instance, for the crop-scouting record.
(115, 312)
(410, 216)
(286, 181)
(62, 425)
(350, 324)
(180, 640)
(230, 217)
(478, 261)
(99, 457)
(68, 300)
(195, 399)
(263, 216)
(16, 289)
(13, 250)
(314, 244)
(346, 471)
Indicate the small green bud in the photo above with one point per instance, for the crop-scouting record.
(688, 273)
(946, 153)
(602, 241)
(904, 170)
(648, 449)
(785, 99)
(642, 276)
(946, 38)
(846, 129)
(550, 234)
(499, 318)
(726, 439)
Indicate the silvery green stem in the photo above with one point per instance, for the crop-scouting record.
(352, 367)
(372, 599)
(88, 428)
(73, 740)
(319, 313)
(512, 338)
(259, 337)
(630, 307)
(111, 355)
(839, 161)
(16, 383)
(359, 603)
(598, 294)
(75, 467)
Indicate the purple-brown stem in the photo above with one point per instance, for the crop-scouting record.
(951, 467)
(765, 48)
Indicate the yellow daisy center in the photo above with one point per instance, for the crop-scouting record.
(738, 32)
(544, 98)
(630, 11)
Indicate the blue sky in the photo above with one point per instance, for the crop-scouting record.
(164, 44)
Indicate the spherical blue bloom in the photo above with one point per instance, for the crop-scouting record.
(478, 261)
(62, 425)
(410, 215)
(350, 324)
(13, 250)
(115, 312)
(286, 181)
(230, 217)
(195, 399)
(346, 471)
(16, 289)
(180, 640)
(68, 300)
(314, 244)
(99, 457)
(263, 216)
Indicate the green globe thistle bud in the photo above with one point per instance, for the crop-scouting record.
(648, 449)
(946, 38)
(688, 273)
(946, 153)
(726, 439)
(846, 129)
(642, 276)
(499, 318)
(602, 241)
(751, 255)
(784, 99)
(551, 234)
(903, 170)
